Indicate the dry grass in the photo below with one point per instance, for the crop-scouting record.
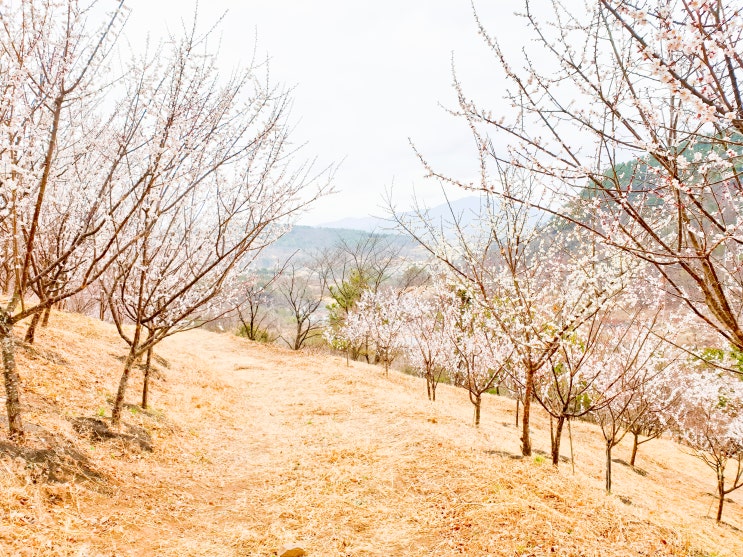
(256, 446)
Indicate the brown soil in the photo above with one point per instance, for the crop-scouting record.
(254, 446)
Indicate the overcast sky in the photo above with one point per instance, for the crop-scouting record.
(368, 75)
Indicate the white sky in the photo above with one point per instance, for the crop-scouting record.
(368, 76)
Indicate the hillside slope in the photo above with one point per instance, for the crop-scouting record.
(255, 446)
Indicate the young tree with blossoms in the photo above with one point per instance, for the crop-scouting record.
(254, 299)
(655, 401)
(220, 185)
(709, 420)
(427, 343)
(635, 353)
(563, 386)
(349, 336)
(207, 172)
(354, 267)
(380, 317)
(480, 355)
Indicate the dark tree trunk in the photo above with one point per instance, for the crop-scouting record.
(428, 386)
(608, 467)
(634, 449)
(477, 402)
(433, 389)
(146, 384)
(47, 313)
(518, 403)
(251, 328)
(720, 493)
(721, 502)
(556, 441)
(12, 386)
(525, 433)
(31, 331)
(119, 401)
(298, 337)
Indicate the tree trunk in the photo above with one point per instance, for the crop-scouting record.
(719, 508)
(608, 467)
(518, 402)
(298, 337)
(146, 385)
(102, 306)
(525, 436)
(556, 441)
(428, 386)
(31, 331)
(47, 313)
(721, 502)
(433, 389)
(477, 402)
(634, 450)
(119, 402)
(251, 328)
(572, 454)
(720, 493)
(12, 386)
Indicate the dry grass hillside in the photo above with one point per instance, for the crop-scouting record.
(254, 446)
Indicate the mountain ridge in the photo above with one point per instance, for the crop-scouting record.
(466, 207)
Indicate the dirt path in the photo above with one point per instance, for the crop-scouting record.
(291, 433)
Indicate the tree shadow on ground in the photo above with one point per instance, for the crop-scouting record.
(504, 454)
(46, 459)
(98, 430)
(635, 469)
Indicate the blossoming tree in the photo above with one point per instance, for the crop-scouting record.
(64, 201)
(426, 339)
(632, 115)
(219, 184)
(709, 420)
(480, 355)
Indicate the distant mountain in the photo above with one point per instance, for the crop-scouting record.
(307, 240)
(367, 224)
(466, 210)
